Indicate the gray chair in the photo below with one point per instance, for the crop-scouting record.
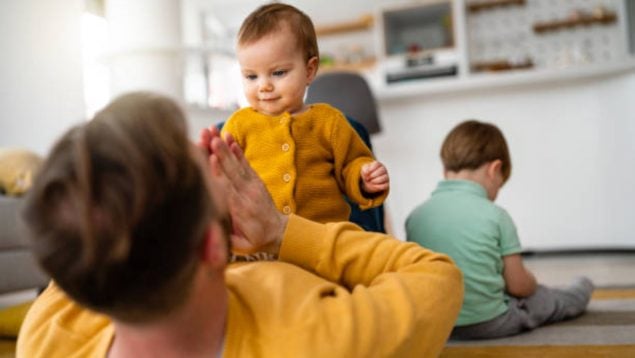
(349, 92)
(17, 265)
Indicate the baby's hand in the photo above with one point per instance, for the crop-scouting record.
(374, 177)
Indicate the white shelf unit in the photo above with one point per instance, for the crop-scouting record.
(480, 81)
(507, 33)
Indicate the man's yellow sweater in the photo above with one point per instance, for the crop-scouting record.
(337, 291)
(308, 161)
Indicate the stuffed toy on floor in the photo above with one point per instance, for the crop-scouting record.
(18, 168)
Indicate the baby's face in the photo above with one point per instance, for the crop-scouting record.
(275, 74)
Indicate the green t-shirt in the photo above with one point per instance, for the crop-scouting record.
(460, 221)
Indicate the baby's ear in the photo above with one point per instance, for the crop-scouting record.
(311, 69)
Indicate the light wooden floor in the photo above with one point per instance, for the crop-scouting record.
(591, 351)
(7, 348)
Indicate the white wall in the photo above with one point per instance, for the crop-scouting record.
(572, 143)
(573, 154)
(573, 147)
(40, 71)
(145, 39)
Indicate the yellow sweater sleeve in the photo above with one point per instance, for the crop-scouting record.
(400, 300)
(350, 154)
(56, 326)
(231, 126)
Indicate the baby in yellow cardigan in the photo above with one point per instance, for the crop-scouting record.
(308, 155)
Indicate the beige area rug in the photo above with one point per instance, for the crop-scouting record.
(607, 329)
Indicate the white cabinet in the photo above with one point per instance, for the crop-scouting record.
(513, 42)
(493, 43)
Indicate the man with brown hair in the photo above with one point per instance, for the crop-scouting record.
(133, 223)
(461, 220)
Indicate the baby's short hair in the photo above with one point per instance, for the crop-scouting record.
(471, 144)
(270, 17)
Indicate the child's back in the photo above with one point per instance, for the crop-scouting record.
(461, 220)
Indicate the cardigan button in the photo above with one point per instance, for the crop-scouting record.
(285, 147)
(286, 178)
(286, 210)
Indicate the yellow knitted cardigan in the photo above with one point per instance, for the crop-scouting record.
(307, 161)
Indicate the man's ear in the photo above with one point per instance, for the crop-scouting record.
(493, 167)
(311, 69)
(214, 251)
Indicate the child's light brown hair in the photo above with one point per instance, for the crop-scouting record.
(471, 144)
(271, 17)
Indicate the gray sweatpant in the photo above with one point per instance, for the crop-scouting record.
(546, 305)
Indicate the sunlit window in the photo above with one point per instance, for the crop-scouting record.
(96, 71)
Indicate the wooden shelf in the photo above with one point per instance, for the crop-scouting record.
(486, 5)
(365, 22)
(605, 18)
(361, 66)
(498, 66)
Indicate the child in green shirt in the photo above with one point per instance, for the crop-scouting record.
(460, 219)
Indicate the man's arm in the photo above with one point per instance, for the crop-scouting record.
(398, 299)
(391, 292)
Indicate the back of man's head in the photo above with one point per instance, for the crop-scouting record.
(471, 144)
(118, 212)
